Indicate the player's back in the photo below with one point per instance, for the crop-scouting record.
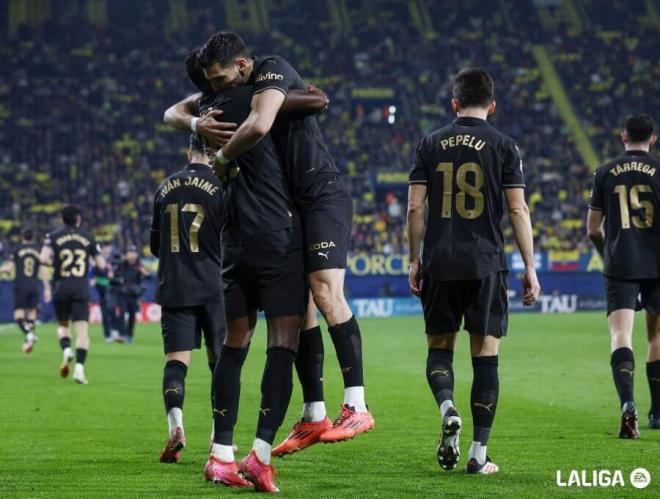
(72, 248)
(257, 197)
(298, 138)
(627, 190)
(26, 264)
(187, 218)
(465, 165)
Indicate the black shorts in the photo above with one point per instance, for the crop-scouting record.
(327, 219)
(71, 301)
(623, 294)
(483, 303)
(268, 275)
(26, 297)
(183, 327)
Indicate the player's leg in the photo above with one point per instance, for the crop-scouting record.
(328, 291)
(653, 368)
(82, 347)
(212, 324)
(276, 389)
(621, 302)
(486, 319)
(221, 468)
(131, 309)
(62, 305)
(651, 301)
(483, 400)
(309, 366)
(30, 322)
(20, 319)
(443, 310)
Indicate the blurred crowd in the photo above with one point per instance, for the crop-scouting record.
(81, 109)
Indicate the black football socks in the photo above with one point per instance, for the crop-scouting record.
(483, 399)
(21, 323)
(623, 372)
(440, 374)
(348, 345)
(65, 342)
(309, 364)
(226, 392)
(81, 356)
(276, 389)
(653, 375)
(174, 384)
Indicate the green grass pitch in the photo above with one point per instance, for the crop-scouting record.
(557, 410)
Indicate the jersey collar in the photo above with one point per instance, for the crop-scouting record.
(469, 121)
(196, 166)
(635, 152)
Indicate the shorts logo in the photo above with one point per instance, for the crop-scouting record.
(324, 254)
(322, 245)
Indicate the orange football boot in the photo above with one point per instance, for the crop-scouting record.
(303, 434)
(261, 475)
(348, 424)
(217, 471)
(172, 451)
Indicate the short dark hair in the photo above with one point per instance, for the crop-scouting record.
(70, 214)
(196, 144)
(639, 127)
(196, 73)
(223, 47)
(27, 233)
(473, 87)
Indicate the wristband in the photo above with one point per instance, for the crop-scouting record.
(221, 158)
(193, 124)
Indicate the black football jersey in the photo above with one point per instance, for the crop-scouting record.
(465, 165)
(298, 139)
(72, 249)
(26, 263)
(187, 218)
(627, 191)
(257, 195)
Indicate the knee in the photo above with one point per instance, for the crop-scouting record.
(287, 341)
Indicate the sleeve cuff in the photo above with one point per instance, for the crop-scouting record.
(410, 182)
(595, 208)
(513, 186)
(266, 88)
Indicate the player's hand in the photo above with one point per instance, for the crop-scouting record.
(218, 132)
(531, 287)
(312, 89)
(47, 296)
(415, 277)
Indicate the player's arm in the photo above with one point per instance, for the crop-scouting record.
(264, 109)
(154, 238)
(99, 261)
(522, 231)
(415, 230)
(595, 216)
(46, 255)
(183, 116)
(7, 267)
(45, 281)
(312, 101)
(595, 231)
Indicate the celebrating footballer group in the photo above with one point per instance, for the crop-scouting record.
(260, 220)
